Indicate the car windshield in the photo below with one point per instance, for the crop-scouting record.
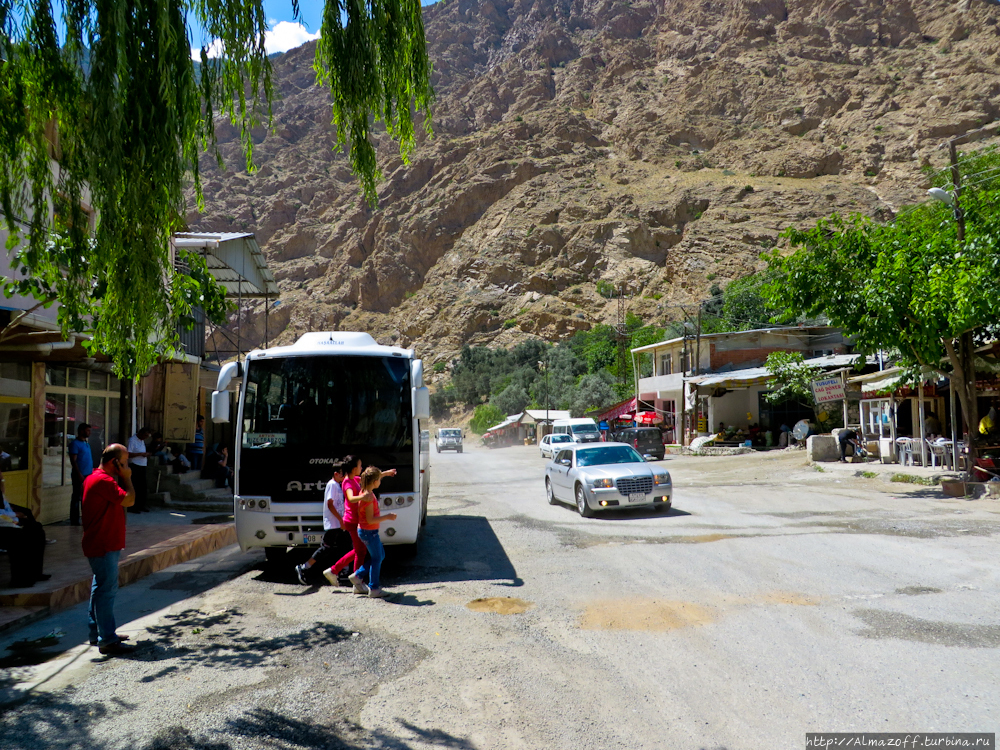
(584, 428)
(609, 454)
(451, 433)
(560, 439)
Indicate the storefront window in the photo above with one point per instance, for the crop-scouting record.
(77, 378)
(75, 396)
(15, 421)
(97, 419)
(55, 469)
(15, 379)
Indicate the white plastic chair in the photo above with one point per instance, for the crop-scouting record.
(938, 452)
(904, 451)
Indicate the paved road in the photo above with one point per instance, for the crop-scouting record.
(773, 600)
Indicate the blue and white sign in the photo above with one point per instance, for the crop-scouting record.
(603, 425)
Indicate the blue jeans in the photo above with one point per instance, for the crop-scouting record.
(102, 598)
(376, 554)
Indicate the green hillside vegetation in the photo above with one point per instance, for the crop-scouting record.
(583, 372)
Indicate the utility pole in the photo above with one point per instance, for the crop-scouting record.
(966, 345)
(621, 331)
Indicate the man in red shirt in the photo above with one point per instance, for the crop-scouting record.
(104, 504)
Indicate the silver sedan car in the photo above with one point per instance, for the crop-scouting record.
(598, 476)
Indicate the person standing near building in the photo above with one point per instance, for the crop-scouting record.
(197, 449)
(81, 460)
(104, 504)
(138, 456)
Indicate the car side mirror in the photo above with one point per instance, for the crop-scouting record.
(565, 462)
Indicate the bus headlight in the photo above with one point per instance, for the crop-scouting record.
(251, 503)
(400, 501)
(387, 502)
(262, 504)
(390, 531)
(261, 534)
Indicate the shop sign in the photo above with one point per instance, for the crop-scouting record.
(829, 389)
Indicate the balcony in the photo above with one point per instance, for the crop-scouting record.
(672, 383)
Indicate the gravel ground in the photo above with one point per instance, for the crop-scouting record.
(773, 600)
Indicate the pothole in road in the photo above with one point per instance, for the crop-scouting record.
(500, 605)
(644, 614)
(918, 590)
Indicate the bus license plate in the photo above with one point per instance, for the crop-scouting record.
(636, 497)
(310, 538)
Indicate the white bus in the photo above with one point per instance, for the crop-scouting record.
(299, 408)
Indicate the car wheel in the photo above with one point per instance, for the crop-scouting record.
(438, 450)
(549, 494)
(276, 557)
(581, 503)
(663, 507)
(459, 450)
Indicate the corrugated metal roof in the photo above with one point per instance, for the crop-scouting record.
(235, 261)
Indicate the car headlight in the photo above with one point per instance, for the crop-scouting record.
(661, 479)
(603, 483)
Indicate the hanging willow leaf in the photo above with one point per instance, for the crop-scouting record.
(102, 123)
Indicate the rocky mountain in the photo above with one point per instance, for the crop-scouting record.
(586, 144)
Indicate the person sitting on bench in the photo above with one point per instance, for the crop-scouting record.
(24, 539)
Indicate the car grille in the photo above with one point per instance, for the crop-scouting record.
(633, 485)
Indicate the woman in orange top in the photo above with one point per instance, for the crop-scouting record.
(368, 521)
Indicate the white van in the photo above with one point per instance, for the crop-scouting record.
(449, 439)
(583, 430)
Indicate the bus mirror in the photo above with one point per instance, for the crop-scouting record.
(220, 406)
(422, 403)
(417, 373)
(229, 371)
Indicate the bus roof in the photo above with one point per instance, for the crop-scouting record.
(333, 343)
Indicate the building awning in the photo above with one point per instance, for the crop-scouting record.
(618, 410)
(235, 261)
(543, 415)
(734, 379)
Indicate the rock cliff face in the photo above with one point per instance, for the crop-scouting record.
(657, 146)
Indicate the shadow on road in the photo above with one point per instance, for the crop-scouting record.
(454, 548)
(54, 723)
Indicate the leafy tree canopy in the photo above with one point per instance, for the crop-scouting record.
(909, 284)
(109, 91)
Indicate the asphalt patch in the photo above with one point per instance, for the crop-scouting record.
(882, 624)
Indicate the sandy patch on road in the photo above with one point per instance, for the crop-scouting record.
(500, 605)
(644, 614)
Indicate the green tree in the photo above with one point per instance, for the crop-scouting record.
(485, 416)
(593, 392)
(792, 379)
(511, 400)
(109, 90)
(908, 285)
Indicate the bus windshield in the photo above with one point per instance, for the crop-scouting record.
(586, 427)
(312, 403)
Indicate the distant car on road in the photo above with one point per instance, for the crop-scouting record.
(609, 475)
(549, 443)
(582, 430)
(449, 439)
(646, 440)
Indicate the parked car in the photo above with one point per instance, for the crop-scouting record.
(548, 444)
(449, 439)
(608, 475)
(583, 430)
(647, 440)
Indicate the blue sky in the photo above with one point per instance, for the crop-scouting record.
(285, 33)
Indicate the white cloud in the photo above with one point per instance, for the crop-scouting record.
(285, 36)
(282, 37)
